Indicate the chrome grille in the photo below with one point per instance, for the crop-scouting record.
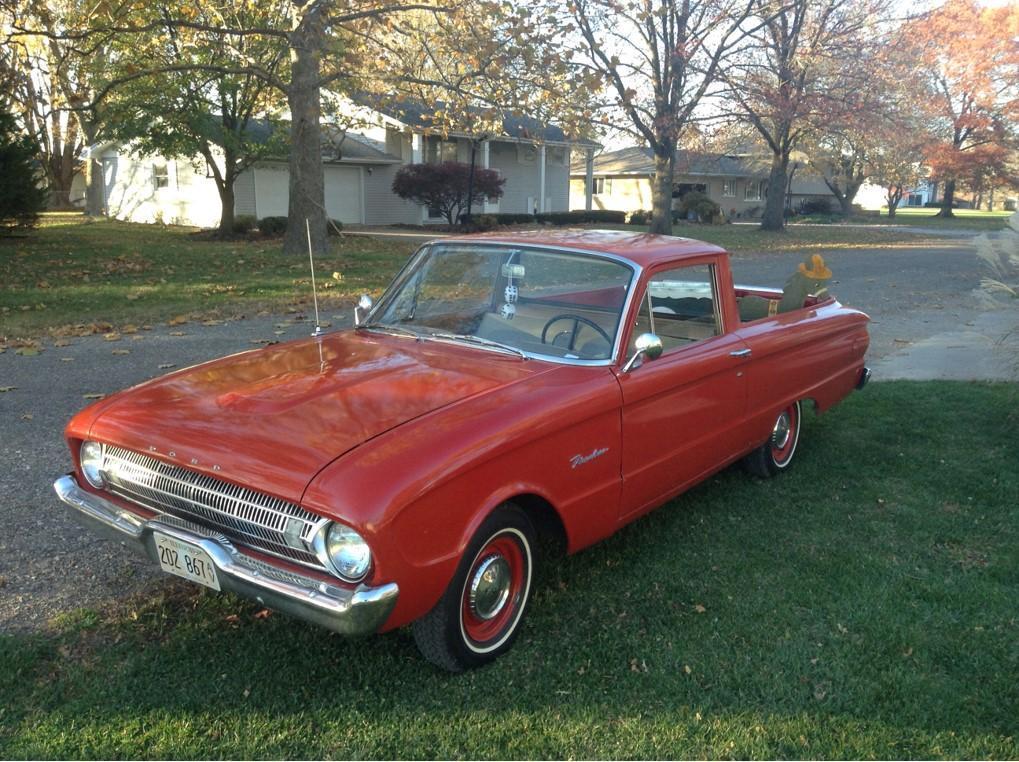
(244, 516)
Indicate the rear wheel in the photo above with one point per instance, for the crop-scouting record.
(776, 454)
(479, 615)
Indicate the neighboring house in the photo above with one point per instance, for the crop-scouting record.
(737, 183)
(359, 171)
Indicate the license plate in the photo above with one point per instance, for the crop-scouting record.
(185, 560)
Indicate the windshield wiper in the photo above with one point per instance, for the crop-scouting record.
(472, 339)
(392, 330)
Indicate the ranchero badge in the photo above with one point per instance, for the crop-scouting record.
(579, 460)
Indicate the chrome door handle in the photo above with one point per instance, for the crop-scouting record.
(740, 353)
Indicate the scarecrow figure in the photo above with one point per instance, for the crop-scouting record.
(808, 280)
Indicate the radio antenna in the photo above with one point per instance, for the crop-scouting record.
(314, 291)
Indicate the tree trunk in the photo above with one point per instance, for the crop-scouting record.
(661, 193)
(307, 175)
(95, 195)
(845, 205)
(226, 197)
(774, 206)
(990, 201)
(947, 199)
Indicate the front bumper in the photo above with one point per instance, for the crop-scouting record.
(358, 611)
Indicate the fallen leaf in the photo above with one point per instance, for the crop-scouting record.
(165, 365)
(687, 670)
(129, 328)
(111, 336)
(179, 320)
(263, 614)
(7, 389)
(93, 396)
(247, 692)
(212, 322)
(232, 618)
(699, 608)
(121, 352)
(27, 417)
(66, 359)
(177, 333)
(27, 351)
(61, 343)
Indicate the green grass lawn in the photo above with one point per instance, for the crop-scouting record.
(963, 219)
(75, 271)
(861, 605)
(105, 274)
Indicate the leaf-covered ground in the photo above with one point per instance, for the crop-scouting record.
(74, 275)
(861, 605)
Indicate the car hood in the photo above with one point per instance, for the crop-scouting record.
(270, 419)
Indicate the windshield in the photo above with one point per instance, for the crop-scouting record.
(551, 303)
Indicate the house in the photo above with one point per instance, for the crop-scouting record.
(737, 183)
(359, 167)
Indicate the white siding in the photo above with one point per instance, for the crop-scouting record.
(382, 206)
(189, 197)
(244, 194)
(521, 179)
(342, 191)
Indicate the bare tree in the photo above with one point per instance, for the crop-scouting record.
(658, 59)
(805, 69)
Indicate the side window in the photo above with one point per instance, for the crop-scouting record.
(680, 307)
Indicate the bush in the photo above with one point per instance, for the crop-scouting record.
(578, 216)
(444, 186)
(700, 204)
(272, 225)
(333, 227)
(244, 223)
(815, 206)
(21, 199)
(639, 217)
(509, 218)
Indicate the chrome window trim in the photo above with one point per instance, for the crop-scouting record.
(636, 270)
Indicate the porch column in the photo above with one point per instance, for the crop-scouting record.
(541, 179)
(486, 159)
(588, 178)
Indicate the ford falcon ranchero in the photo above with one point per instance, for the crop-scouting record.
(506, 393)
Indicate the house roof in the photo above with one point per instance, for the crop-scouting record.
(638, 160)
(418, 115)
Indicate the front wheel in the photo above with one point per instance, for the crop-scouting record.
(479, 615)
(776, 454)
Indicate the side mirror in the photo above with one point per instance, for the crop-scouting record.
(649, 347)
(364, 305)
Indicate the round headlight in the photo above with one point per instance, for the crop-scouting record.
(91, 458)
(347, 552)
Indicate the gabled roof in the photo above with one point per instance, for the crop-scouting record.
(417, 116)
(637, 160)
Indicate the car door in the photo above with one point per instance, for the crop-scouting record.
(681, 412)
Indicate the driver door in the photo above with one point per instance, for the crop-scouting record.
(682, 411)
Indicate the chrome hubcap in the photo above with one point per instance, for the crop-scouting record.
(782, 431)
(490, 587)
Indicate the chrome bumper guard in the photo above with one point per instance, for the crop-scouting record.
(864, 377)
(360, 611)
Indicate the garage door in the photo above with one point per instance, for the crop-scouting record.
(342, 191)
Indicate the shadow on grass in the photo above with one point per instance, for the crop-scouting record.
(862, 605)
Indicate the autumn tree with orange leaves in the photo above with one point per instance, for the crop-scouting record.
(968, 64)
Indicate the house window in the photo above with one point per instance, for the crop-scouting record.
(754, 190)
(527, 153)
(602, 185)
(160, 175)
(729, 188)
(440, 151)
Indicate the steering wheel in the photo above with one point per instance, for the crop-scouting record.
(577, 320)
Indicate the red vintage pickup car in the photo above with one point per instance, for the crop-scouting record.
(505, 390)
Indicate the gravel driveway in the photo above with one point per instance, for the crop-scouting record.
(918, 297)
